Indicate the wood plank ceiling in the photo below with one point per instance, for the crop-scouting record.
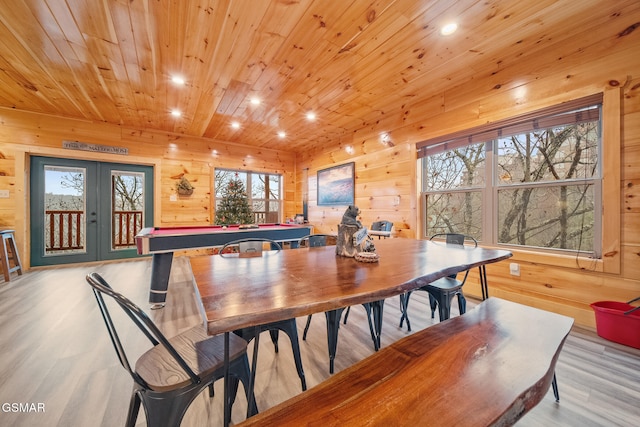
(359, 65)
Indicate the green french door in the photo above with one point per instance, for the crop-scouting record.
(84, 211)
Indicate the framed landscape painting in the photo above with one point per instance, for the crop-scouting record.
(336, 185)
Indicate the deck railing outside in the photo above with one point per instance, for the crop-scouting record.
(64, 229)
(265, 217)
(126, 224)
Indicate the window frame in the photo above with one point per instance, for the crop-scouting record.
(265, 200)
(609, 159)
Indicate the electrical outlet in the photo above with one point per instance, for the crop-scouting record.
(4, 194)
(514, 269)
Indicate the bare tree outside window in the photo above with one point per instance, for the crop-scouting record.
(129, 194)
(550, 202)
(536, 188)
(64, 228)
(454, 181)
(127, 200)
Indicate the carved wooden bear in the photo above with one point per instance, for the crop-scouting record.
(348, 230)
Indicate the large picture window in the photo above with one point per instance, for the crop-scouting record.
(264, 192)
(534, 183)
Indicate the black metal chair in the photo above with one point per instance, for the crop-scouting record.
(167, 377)
(442, 291)
(374, 310)
(316, 240)
(255, 246)
(382, 226)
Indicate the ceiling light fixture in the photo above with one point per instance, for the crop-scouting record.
(255, 101)
(282, 134)
(385, 139)
(176, 113)
(311, 116)
(449, 29)
(349, 149)
(235, 125)
(178, 80)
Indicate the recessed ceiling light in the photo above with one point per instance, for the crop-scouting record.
(449, 29)
(349, 149)
(255, 101)
(311, 116)
(176, 113)
(385, 139)
(177, 80)
(282, 134)
(235, 125)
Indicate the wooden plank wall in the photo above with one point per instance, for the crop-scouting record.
(386, 184)
(23, 134)
(384, 189)
(560, 284)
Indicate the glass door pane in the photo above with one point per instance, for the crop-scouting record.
(127, 201)
(65, 210)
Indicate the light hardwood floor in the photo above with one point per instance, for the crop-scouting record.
(55, 351)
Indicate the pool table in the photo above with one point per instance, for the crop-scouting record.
(161, 242)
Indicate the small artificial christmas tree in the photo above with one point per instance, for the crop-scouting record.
(234, 207)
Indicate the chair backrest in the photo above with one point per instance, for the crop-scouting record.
(455, 239)
(315, 240)
(382, 226)
(251, 245)
(141, 319)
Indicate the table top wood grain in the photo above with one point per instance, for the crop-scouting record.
(238, 292)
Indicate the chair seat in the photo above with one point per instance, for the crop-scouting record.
(203, 353)
(444, 284)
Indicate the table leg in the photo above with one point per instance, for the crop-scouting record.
(374, 317)
(554, 386)
(227, 407)
(333, 323)
(378, 307)
(483, 282)
(372, 329)
(404, 304)
(254, 364)
(160, 270)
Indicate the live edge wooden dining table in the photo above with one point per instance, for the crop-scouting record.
(238, 292)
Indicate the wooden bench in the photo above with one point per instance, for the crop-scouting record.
(487, 367)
